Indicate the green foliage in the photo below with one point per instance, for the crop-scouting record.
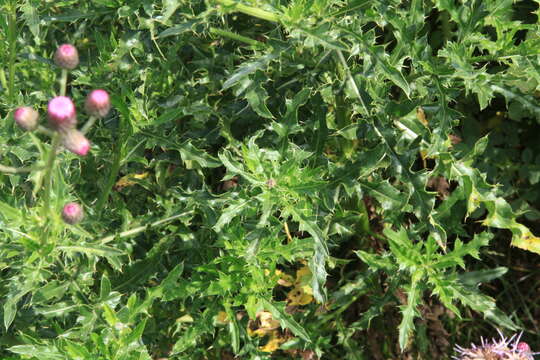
(379, 150)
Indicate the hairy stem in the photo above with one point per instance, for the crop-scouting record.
(47, 178)
(236, 37)
(88, 125)
(3, 79)
(63, 82)
(12, 41)
(18, 170)
(250, 10)
(140, 229)
(43, 130)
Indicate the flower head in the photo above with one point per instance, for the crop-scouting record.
(72, 213)
(76, 142)
(98, 103)
(61, 113)
(503, 349)
(66, 57)
(26, 118)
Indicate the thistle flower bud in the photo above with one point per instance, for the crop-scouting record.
(97, 103)
(523, 347)
(26, 118)
(76, 142)
(72, 213)
(66, 57)
(61, 113)
(271, 183)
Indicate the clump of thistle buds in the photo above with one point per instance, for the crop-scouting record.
(61, 111)
(62, 126)
(503, 349)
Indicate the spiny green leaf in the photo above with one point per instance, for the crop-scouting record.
(233, 210)
(236, 168)
(317, 263)
(248, 68)
(409, 311)
(256, 97)
(45, 352)
(191, 153)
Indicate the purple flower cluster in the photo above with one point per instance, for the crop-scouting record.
(61, 111)
(62, 120)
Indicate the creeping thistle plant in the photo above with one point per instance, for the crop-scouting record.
(346, 141)
(41, 241)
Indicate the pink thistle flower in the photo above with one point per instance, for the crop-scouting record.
(66, 57)
(26, 118)
(62, 114)
(98, 103)
(503, 349)
(72, 213)
(76, 142)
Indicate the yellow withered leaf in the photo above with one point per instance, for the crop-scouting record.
(129, 180)
(263, 325)
(222, 318)
(298, 296)
(275, 341)
(421, 116)
(524, 239)
(302, 293)
(284, 279)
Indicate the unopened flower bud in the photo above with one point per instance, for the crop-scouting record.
(76, 142)
(97, 103)
(66, 57)
(26, 118)
(523, 347)
(271, 183)
(72, 213)
(61, 113)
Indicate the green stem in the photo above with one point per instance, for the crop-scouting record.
(42, 129)
(237, 37)
(140, 229)
(110, 181)
(63, 82)
(352, 81)
(498, 58)
(19, 170)
(3, 79)
(250, 10)
(47, 178)
(12, 40)
(88, 125)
